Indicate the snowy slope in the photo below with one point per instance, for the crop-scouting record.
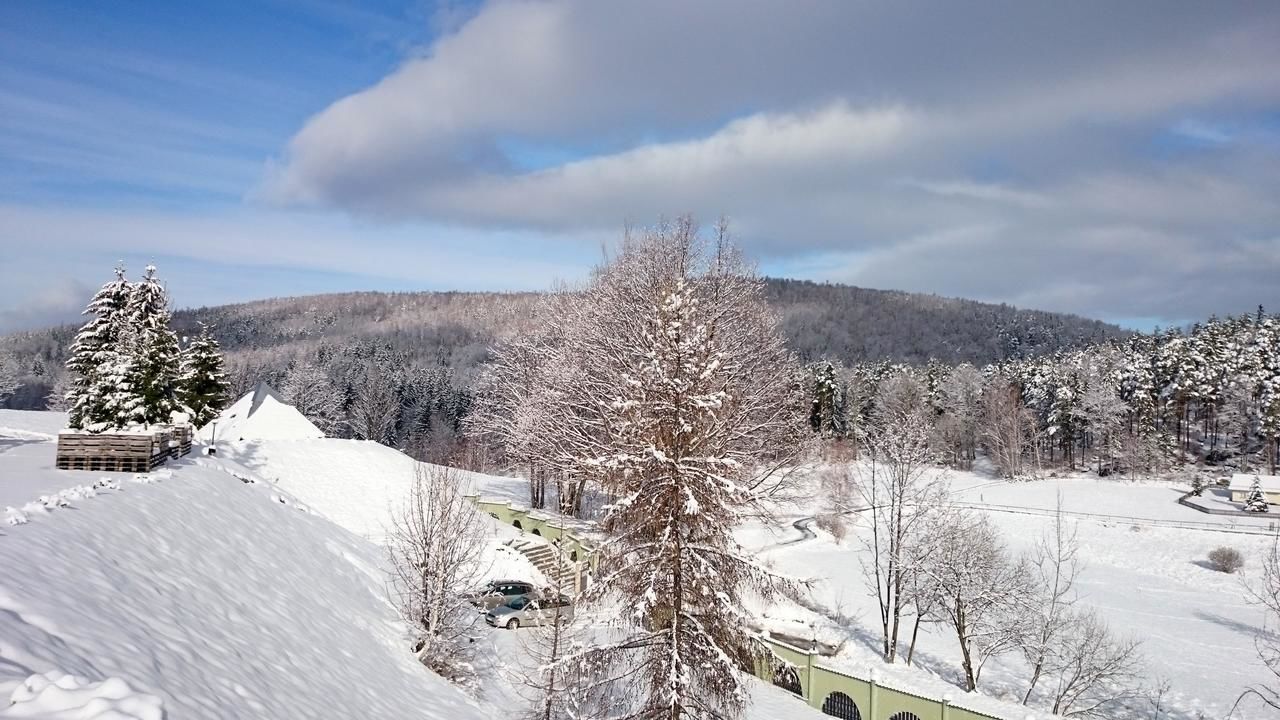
(355, 483)
(216, 597)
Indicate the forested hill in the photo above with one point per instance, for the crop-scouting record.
(856, 324)
(453, 331)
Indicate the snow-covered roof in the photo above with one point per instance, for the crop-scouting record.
(1244, 481)
(260, 415)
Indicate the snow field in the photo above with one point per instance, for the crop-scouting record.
(1150, 581)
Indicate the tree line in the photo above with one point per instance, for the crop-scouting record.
(1207, 396)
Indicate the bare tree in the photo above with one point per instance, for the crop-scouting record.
(1054, 568)
(556, 689)
(981, 590)
(375, 407)
(1092, 670)
(1265, 592)
(674, 394)
(514, 394)
(435, 546)
(900, 497)
(961, 396)
(1008, 428)
(307, 388)
(9, 375)
(57, 397)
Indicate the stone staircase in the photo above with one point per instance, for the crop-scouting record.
(558, 569)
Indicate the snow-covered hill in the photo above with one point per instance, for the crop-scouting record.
(193, 590)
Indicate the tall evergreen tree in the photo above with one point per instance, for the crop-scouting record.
(154, 352)
(202, 383)
(94, 400)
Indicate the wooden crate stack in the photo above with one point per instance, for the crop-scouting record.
(182, 434)
(113, 452)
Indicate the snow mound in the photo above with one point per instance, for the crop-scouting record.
(260, 415)
(206, 592)
(57, 695)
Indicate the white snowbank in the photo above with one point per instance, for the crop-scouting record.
(208, 593)
(56, 695)
(259, 415)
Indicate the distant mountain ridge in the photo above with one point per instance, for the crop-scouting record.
(454, 330)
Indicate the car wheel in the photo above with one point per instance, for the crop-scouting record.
(513, 624)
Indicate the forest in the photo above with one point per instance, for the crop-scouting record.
(422, 350)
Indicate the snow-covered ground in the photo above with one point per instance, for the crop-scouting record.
(218, 587)
(196, 594)
(194, 590)
(1149, 579)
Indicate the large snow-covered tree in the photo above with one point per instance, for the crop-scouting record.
(155, 356)
(99, 397)
(677, 398)
(202, 383)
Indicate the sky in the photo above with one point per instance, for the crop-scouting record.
(1115, 160)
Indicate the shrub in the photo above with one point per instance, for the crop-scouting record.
(832, 523)
(1225, 559)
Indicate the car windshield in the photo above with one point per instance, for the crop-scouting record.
(519, 603)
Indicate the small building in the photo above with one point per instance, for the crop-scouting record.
(1241, 483)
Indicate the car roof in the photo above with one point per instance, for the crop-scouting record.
(510, 582)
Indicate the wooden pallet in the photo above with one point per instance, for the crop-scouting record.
(113, 452)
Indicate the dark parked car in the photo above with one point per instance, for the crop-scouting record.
(499, 592)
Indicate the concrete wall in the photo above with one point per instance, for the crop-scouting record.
(874, 701)
(544, 524)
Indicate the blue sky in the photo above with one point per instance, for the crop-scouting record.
(1120, 162)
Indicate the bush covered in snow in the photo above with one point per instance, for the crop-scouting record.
(1225, 559)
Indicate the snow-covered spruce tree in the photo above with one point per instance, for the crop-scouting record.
(1256, 500)
(824, 398)
(683, 404)
(98, 397)
(434, 547)
(308, 389)
(155, 357)
(202, 383)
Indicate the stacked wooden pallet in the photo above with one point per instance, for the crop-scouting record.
(113, 452)
(182, 434)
